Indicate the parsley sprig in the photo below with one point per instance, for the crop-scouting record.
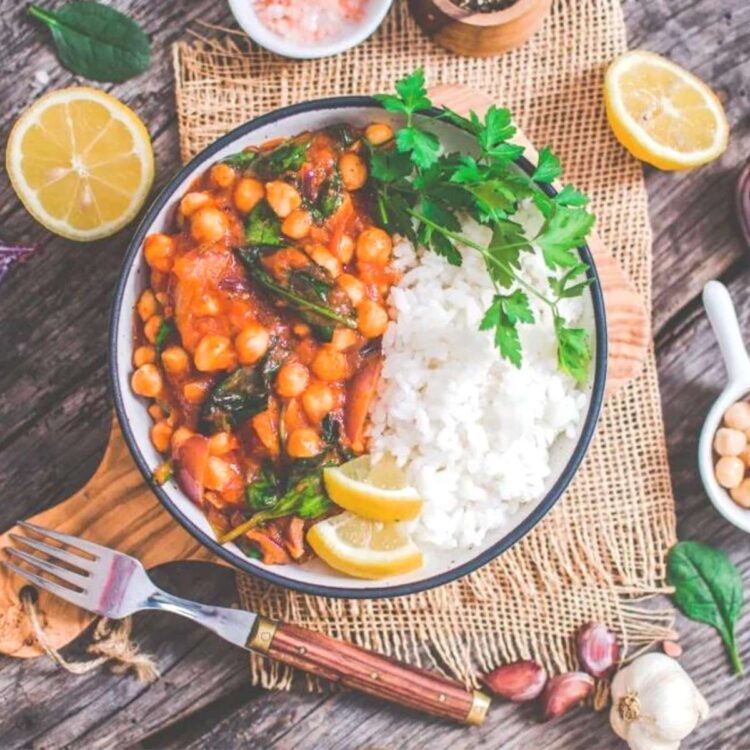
(422, 193)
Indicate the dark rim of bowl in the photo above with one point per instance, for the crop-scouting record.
(528, 523)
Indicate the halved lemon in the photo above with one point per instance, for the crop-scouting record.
(81, 162)
(663, 114)
(378, 491)
(364, 548)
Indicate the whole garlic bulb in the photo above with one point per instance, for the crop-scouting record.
(655, 704)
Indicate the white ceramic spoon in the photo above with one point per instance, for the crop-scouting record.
(723, 318)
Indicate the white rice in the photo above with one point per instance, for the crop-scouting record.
(472, 432)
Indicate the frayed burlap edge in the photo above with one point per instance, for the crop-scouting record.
(600, 555)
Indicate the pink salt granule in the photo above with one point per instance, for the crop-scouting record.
(308, 21)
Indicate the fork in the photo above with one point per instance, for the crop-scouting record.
(113, 584)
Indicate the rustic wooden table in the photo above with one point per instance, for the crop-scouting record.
(55, 412)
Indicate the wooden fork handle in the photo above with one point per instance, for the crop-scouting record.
(368, 672)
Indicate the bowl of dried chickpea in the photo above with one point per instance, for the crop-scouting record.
(724, 446)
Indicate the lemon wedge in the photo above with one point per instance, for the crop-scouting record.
(81, 162)
(363, 548)
(376, 491)
(663, 114)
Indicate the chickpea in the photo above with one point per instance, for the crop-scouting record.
(345, 249)
(214, 352)
(292, 379)
(161, 434)
(147, 381)
(372, 319)
(222, 175)
(221, 442)
(176, 360)
(209, 225)
(729, 471)
(353, 170)
(343, 339)
(162, 298)
(156, 412)
(151, 327)
(317, 401)
(378, 133)
(179, 436)
(737, 416)
(374, 246)
(323, 258)
(303, 443)
(330, 365)
(218, 473)
(159, 252)
(741, 493)
(297, 224)
(147, 305)
(248, 193)
(282, 197)
(191, 202)
(144, 355)
(252, 343)
(729, 442)
(195, 391)
(353, 288)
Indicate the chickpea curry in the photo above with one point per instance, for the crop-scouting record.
(258, 339)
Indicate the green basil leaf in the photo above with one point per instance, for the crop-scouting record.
(708, 589)
(96, 41)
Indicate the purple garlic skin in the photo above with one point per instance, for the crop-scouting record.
(598, 651)
(563, 692)
(517, 681)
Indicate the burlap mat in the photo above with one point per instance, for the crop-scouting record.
(603, 547)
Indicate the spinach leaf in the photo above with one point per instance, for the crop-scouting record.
(288, 157)
(263, 492)
(330, 197)
(166, 331)
(262, 226)
(306, 290)
(241, 160)
(96, 41)
(708, 589)
(241, 395)
(342, 134)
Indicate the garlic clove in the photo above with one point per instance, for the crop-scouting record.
(597, 649)
(564, 691)
(517, 681)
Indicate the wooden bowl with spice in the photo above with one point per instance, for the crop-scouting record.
(480, 28)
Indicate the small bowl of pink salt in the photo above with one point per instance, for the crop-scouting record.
(305, 29)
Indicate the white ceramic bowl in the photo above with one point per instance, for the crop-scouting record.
(350, 36)
(315, 577)
(723, 320)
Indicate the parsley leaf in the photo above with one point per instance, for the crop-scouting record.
(573, 352)
(503, 315)
(569, 196)
(548, 166)
(412, 95)
(563, 231)
(423, 146)
(389, 166)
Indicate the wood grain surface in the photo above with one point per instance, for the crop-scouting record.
(55, 412)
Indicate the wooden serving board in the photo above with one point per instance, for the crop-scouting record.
(116, 508)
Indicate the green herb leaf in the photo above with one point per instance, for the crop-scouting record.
(564, 231)
(241, 160)
(708, 589)
(569, 196)
(496, 130)
(166, 331)
(503, 315)
(262, 226)
(288, 157)
(331, 196)
(424, 147)
(96, 41)
(389, 166)
(263, 492)
(548, 167)
(573, 351)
